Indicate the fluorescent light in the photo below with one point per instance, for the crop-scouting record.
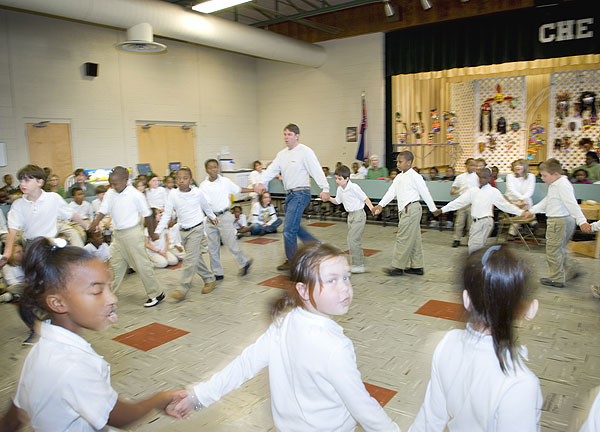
(217, 5)
(388, 9)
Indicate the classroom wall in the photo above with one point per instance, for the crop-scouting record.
(41, 78)
(324, 101)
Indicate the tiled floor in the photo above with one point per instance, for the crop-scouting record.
(393, 342)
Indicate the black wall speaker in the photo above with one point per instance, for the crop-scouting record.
(91, 69)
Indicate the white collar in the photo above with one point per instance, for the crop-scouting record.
(40, 198)
(61, 335)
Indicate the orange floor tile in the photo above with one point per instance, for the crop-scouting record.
(442, 309)
(261, 241)
(380, 394)
(281, 281)
(176, 266)
(150, 336)
(321, 224)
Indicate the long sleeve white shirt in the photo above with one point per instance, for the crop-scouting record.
(353, 197)
(469, 392)
(464, 181)
(406, 188)
(520, 188)
(40, 217)
(125, 208)
(190, 207)
(482, 202)
(261, 214)
(296, 165)
(217, 192)
(156, 197)
(315, 384)
(560, 201)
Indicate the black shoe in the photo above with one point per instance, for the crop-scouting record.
(130, 270)
(245, 269)
(415, 271)
(393, 271)
(154, 301)
(30, 339)
(456, 243)
(550, 282)
(284, 266)
(219, 277)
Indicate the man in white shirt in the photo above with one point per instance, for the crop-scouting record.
(218, 190)
(191, 206)
(462, 183)
(482, 201)
(125, 204)
(563, 212)
(407, 187)
(295, 163)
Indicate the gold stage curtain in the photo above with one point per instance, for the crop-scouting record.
(424, 91)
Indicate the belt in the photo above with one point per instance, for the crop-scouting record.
(190, 228)
(219, 213)
(297, 189)
(485, 217)
(405, 209)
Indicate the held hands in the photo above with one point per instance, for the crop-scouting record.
(527, 214)
(325, 196)
(585, 227)
(214, 221)
(376, 210)
(437, 212)
(259, 188)
(181, 407)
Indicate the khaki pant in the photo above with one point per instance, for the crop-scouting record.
(193, 261)
(559, 231)
(226, 232)
(408, 250)
(159, 261)
(129, 249)
(74, 233)
(462, 220)
(479, 232)
(356, 225)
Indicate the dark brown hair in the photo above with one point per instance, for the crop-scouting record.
(306, 269)
(407, 155)
(31, 172)
(293, 128)
(496, 281)
(342, 171)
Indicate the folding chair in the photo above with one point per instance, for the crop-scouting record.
(514, 222)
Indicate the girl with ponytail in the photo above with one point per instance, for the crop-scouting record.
(479, 381)
(64, 385)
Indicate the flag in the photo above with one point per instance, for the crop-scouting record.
(362, 153)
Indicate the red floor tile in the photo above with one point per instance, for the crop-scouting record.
(261, 241)
(150, 336)
(176, 266)
(281, 281)
(321, 224)
(380, 394)
(442, 309)
(366, 252)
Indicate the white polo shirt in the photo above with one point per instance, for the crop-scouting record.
(84, 209)
(218, 192)
(352, 197)
(64, 385)
(102, 253)
(125, 208)
(407, 187)
(40, 217)
(190, 208)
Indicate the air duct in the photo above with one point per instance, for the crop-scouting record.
(172, 21)
(141, 40)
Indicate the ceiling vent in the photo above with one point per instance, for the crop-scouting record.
(141, 40)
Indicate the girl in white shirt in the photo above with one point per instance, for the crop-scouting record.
(156, 194)
(64, 385)
(479, 381)
(159, 251)
(315, 384)
(254, 178)
(520, 184)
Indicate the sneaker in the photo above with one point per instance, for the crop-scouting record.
(154, 301)
(456, 243)
(595, 289)
(177, 295)
(6, 297)
(219, 277)
(393, 271)
(550, 282)
(209, 287)
(284, 266)
(415, 271)
(246, 268)
(357, 269)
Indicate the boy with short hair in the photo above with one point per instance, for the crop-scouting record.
(562, 212)
(462, 183)
(81, 182)
(218, 189)
(96, 245)
(125, 204)
(354, 200)
(37, 212)
(482, 201)
(79, 204)
(407, 188)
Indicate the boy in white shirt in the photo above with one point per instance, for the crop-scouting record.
(407, 187)
(100, 192)
(482, 201)
(13, 276)
(218, 189)
(79, 204)
(462, 183)
(354, 200)
(126, 204)
(562, 212)
(191, 206)
(96, 245)
(356, 175)
(37, 212)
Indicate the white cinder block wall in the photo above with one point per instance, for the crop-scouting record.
(324, 101)
(41, 78)
(236, 101)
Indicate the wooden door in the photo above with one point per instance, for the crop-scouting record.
(50, 146)
(159, 144)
